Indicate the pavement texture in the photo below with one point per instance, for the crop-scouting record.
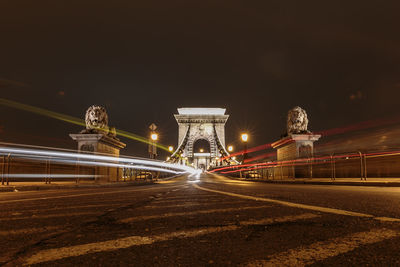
(205, 220)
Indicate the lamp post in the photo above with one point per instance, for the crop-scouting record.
(230, 149)
(245, 138)
(153, 141)
(153, 145)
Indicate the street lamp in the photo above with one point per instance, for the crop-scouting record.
(170, 148)
(153, 145)
(230, 148)
(245, 138)
(153, 141)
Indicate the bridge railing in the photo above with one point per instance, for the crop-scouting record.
(356, 164)
(38, 164)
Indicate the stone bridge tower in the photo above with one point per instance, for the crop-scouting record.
(206, 124)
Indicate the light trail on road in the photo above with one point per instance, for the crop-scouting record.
(328, 132)
(300, 162)
(99, 160)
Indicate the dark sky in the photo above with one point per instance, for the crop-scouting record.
(339, 60)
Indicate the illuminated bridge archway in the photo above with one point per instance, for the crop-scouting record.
(200, 124)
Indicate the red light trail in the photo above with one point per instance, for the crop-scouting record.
(299, 162)
(334, 131)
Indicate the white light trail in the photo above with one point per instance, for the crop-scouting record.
(196, 176)
(44, 175)
(105, 164)
(98, 160)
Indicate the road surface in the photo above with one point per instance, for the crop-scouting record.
(202, 220)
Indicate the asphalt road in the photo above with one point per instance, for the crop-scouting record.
(202, 221)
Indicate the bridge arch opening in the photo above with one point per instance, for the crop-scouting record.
(201, 154)
(201, 146)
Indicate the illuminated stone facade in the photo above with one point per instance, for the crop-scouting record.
(100, 139)
(297, 121)
(298, 143)
(200, 123)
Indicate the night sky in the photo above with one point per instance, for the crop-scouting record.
(339, 60)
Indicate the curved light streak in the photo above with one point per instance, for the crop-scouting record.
(99, 159)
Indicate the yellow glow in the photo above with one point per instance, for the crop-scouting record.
(201, 150)
(245, 137)
(233, 158)
(170, 148)
(154, 137)
(230, 148)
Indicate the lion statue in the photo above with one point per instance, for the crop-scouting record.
(96, 119)
(297, 121)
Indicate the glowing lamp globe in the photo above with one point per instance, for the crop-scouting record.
(154, 137)
(245, 137)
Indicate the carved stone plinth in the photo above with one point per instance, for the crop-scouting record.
(292, 147)
(99, 143)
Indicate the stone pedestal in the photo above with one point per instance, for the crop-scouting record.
(292, 147)
(102, 144)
